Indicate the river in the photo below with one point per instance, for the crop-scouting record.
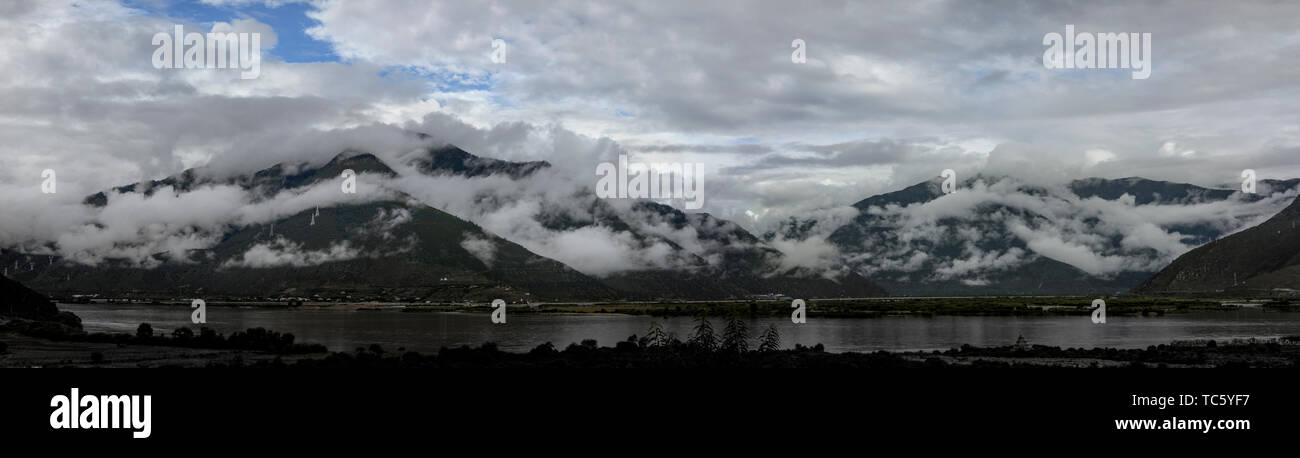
(343, 330)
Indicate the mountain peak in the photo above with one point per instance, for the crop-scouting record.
(451, 160)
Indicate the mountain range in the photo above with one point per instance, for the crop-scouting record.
(1000, 236)
(397, 248)
(995, 236)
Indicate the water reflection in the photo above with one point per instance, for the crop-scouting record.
(344, 330)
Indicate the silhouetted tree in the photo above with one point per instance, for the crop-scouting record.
(656, 337)
(735, 337)
(208, 336)
(182, 333)
(704, 338)
(145, 331)
(546, 349)
(770, 340)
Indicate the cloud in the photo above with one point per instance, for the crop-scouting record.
(137, 228)
(884, 101)
(1000, 223)
(551, 215)
(813, 254)
(483, 249)
(283, 252)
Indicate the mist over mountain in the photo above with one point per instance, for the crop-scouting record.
(287, 230)
(1263, 260)
(436, 222)
(451, 160)
(642, 249)
(998, 235)
(382, 246)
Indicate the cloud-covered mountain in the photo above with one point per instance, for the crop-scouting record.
(381, 244)
(290, 230)
(1263, 260)
(999, 235)
(642, 249)
(451, 160)
(436, 222)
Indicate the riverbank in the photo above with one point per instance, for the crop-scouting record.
(830, 308)
(918, 306)
(733, 347)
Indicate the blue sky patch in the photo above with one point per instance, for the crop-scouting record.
(289, 21)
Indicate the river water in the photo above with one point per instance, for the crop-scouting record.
(343, 330)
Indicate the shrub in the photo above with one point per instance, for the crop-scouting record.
(145, 331)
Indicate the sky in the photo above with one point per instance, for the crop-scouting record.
(891, 93)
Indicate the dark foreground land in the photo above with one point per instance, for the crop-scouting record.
(26, 343)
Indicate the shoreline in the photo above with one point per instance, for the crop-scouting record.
(831, 308)
(25, 351)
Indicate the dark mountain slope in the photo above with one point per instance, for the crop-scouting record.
(19, 302)
(1262, 260)
(452, 160)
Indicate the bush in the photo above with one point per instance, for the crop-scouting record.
(183, 334)
(145, 331)
(546, 349)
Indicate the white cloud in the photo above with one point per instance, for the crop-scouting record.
(482, 248)
(886, 100)
(283, 252)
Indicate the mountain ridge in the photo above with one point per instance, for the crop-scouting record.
(1263, 260)
(229, 267)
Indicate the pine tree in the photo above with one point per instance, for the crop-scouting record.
(771, 339)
